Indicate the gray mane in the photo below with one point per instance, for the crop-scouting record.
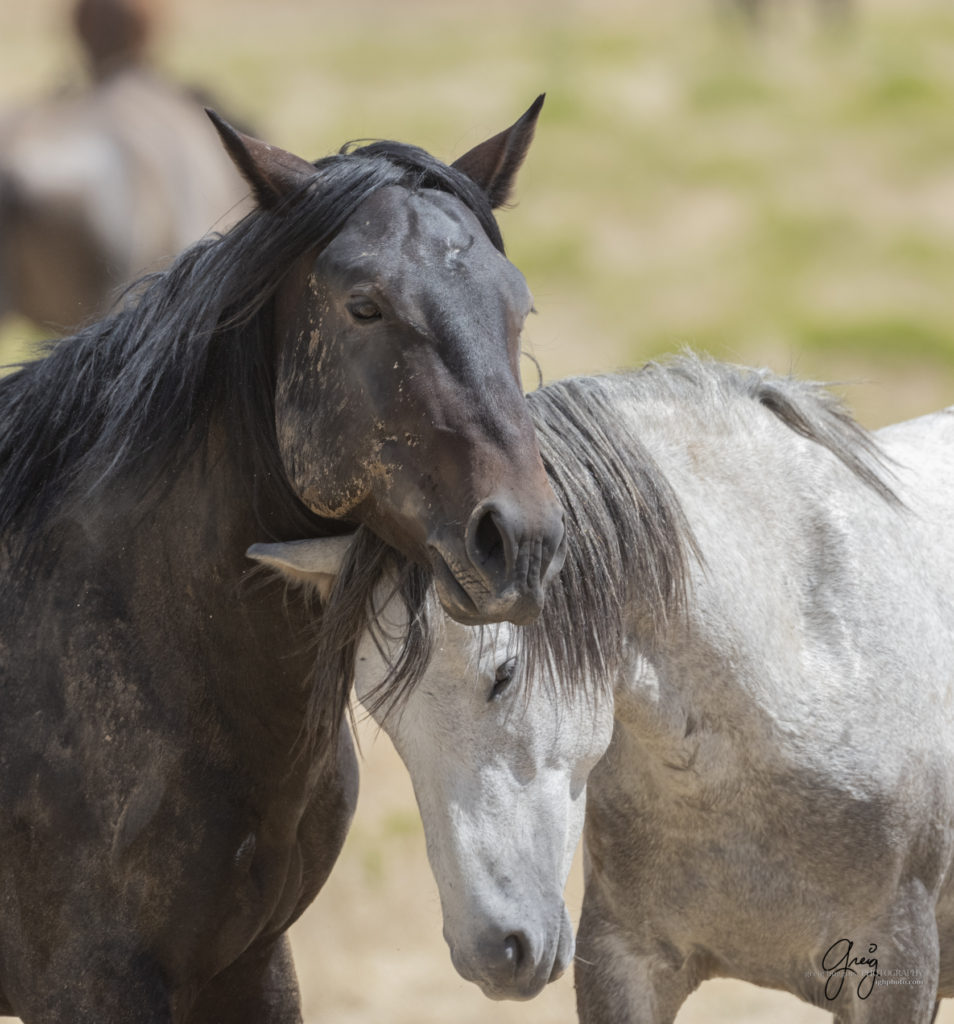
(628, 540)
(630, 547)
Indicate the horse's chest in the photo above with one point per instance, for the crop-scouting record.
(264, 889)
(277, 869)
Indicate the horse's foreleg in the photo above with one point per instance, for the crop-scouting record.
(261, 987)
(616, 985)
(897, 981)
(98, 990)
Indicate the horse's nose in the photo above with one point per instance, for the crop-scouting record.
(505, 968)
(509, 962)
(515, 557)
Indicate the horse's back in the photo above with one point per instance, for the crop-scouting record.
(922, 453)
(820, 585)
(101, 186)
(182, 183)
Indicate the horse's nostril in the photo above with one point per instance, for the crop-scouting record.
(513, 951)
(488, 541)
(491, 546)
(514, 553)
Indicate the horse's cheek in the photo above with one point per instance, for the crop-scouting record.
(323, 461)
(318, 480)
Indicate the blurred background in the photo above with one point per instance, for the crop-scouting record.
(770, 182)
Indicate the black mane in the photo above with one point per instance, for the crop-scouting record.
(129, 398)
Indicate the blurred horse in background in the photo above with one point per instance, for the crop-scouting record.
(757, 13)
(101, 184)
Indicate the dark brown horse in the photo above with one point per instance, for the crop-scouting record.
(348, 353)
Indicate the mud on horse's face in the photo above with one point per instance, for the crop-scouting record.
(410, 328)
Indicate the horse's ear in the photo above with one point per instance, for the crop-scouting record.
(494, 164)
(315, 562)
(272, 172)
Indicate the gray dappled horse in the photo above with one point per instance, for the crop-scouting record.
(765, 629)
(175, 782)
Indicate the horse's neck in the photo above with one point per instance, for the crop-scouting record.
(190, 519)
(655, 710)
(768, 511)
(183, 550)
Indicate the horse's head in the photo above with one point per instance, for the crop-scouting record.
(399, 402)
(499, 771)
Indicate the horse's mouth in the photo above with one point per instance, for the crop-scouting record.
(467, 599)
(454, 598)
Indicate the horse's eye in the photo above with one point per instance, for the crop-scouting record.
(502, 677)
(364, 310)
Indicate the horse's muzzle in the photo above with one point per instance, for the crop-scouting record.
(505, 567)
(514, 963)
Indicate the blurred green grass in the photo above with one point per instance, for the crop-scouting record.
(785, 197)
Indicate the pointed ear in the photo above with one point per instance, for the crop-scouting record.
(494, 164)
(272, 173)
(315, 562)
